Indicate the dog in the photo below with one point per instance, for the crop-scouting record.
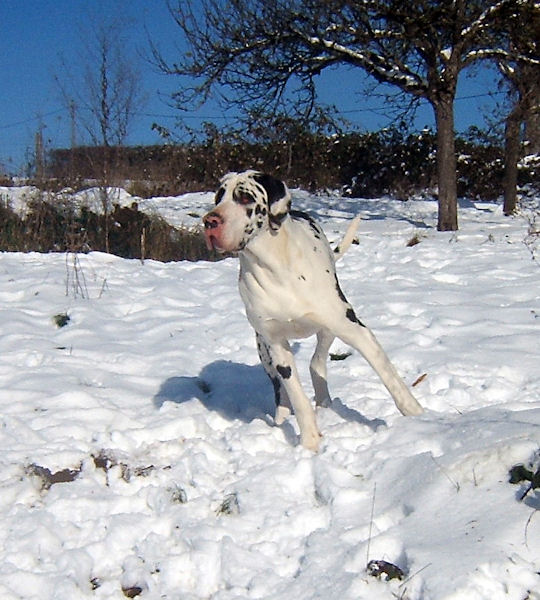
(290, 289)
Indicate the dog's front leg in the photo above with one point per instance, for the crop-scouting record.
(283, 362)
(283, 404)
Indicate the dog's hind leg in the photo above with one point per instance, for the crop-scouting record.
(351, 331)
(317, 367)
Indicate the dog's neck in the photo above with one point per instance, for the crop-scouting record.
(270, 249)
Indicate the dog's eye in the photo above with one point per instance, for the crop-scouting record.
(245, 199)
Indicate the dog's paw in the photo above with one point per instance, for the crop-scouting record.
(282, 414)
(311, 441)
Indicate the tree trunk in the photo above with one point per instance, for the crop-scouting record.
(104, 191)
(446, 163)
(511, 158)
(532, 117)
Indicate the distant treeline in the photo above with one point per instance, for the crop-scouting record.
(390, 161)
(367, 165)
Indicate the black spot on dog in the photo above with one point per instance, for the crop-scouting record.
(284, 371)
(249, 212)
(274, 188)
(299, 215)
(317, 231)
(340, 293)
(277, 390)
(276, 219)
(350, 314)
(219, 195)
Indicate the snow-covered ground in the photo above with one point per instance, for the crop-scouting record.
(138, 455)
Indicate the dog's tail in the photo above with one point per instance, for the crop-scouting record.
(348, 238)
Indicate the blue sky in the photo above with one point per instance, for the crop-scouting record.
(35, 34)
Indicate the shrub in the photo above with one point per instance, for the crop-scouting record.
(53, 225)
(11, 229)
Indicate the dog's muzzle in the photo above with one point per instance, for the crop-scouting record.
(213, 224)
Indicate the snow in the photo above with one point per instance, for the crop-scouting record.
(17, 198)
(152, 404)
(446, 54)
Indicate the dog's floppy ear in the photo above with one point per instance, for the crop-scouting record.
(279, 199)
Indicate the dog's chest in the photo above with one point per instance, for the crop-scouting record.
(284, 283)
(275, 313)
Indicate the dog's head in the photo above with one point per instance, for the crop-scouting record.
(246, 204)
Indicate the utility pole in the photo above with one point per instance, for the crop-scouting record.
(39, 152)
(72, 113)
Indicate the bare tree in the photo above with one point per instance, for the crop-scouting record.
(104, 89)
(102, 82)
(266, 53)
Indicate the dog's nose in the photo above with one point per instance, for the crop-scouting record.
(212, 220)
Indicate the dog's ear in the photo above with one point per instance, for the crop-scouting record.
(279, 199)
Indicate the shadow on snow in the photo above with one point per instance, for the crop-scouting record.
(239, 392)
(235, 391)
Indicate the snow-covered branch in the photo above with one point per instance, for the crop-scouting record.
(379, 66)
(498, 54)
(485, 18)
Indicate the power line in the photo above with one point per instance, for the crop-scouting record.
(456, 99)
(32, 119)
(484, 95)
(223, 117)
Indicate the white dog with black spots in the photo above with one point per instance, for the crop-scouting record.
(290, 289)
